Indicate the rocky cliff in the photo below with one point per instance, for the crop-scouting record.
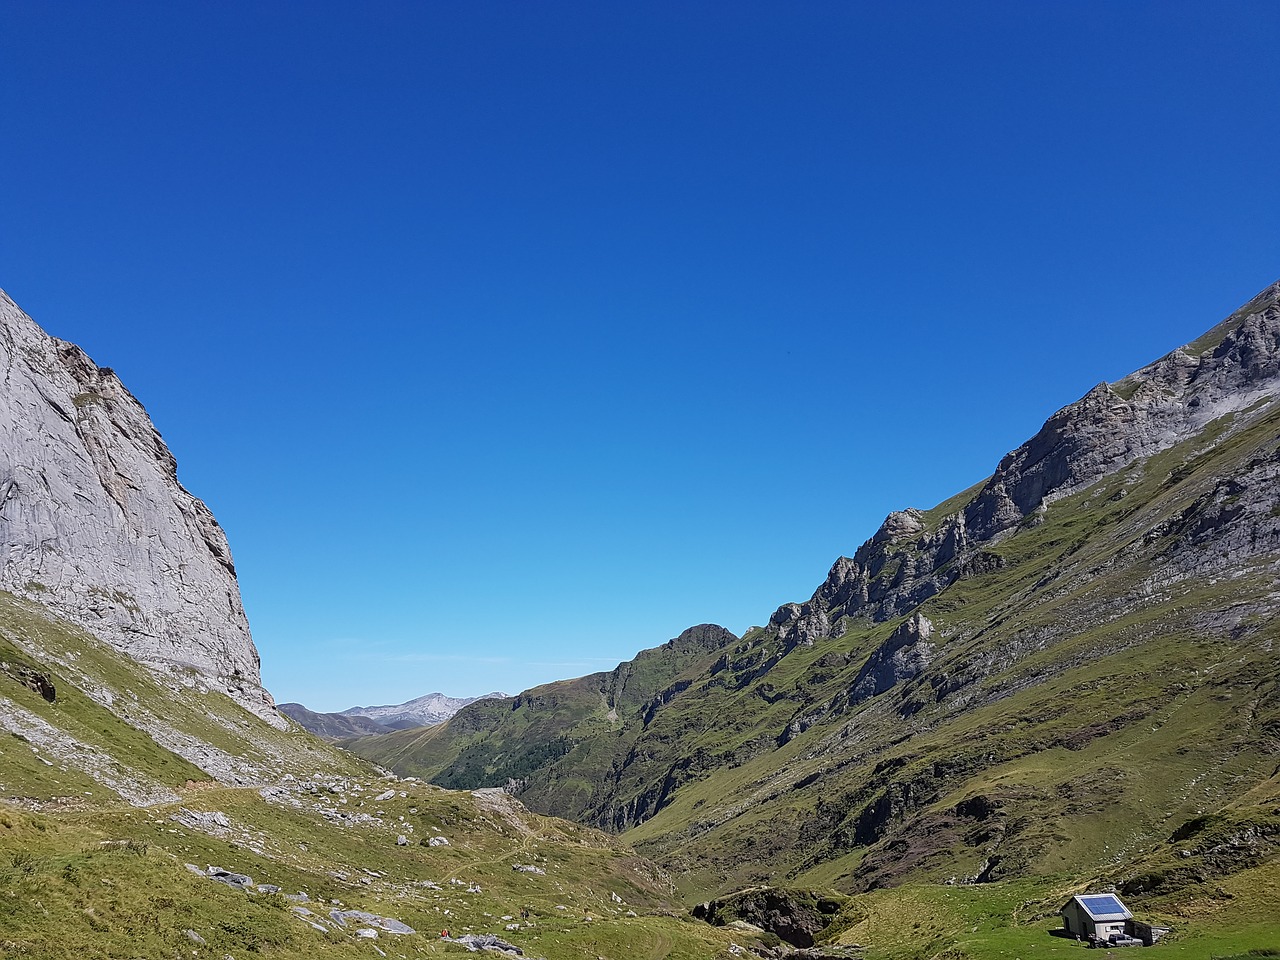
(95, 524)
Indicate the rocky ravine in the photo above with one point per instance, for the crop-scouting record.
(95, 525)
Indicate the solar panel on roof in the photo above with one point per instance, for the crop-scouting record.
(1103, 904)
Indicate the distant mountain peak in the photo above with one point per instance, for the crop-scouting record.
(424, 711)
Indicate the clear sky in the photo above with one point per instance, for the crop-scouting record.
(507, 339)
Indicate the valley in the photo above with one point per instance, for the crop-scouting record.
(1063, 679)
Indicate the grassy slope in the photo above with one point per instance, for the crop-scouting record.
(112, 882)
(1086, 702)
(1103, 708)
(128, 700)
(84, 874)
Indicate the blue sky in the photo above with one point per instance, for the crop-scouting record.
(507, 339)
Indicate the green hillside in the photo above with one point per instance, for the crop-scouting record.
(577, 728)
(1012, 688)
(107, 816)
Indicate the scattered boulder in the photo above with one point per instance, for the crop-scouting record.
(528, 868)
(475, 942)
(238, 880)
(212, 822)
(386, 924)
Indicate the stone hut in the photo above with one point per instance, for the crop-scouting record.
(1095, 916)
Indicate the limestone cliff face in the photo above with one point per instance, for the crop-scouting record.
(1233, 369)
(95, 525)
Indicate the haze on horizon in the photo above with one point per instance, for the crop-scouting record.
(506, 340)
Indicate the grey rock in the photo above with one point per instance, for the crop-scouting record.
(238, 880)
(475, 942)
(904, 655)
(900, 525)
(95, 524)
(386, 924)
(214, 822)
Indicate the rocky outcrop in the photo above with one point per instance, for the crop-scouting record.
(1112, 425)
(796, 916)
(903, 656)
(95, 525)
(1234, 369)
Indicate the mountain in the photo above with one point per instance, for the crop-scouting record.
(556, 745)
(95, 525)
(152, 801)
(422, 711)
(331, 726)
(1068, 670)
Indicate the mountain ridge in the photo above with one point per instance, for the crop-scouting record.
(835, 744)
(429, 709)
